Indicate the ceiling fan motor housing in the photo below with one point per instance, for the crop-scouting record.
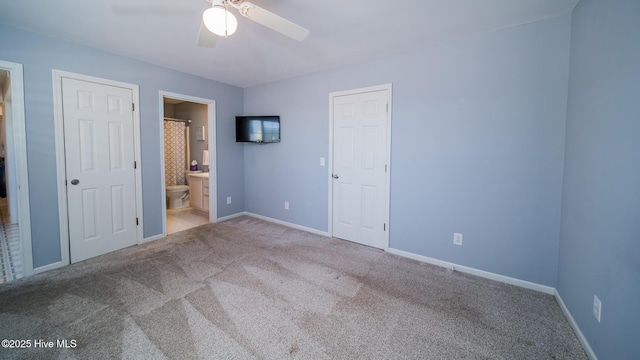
(221, 2)
(219, 20)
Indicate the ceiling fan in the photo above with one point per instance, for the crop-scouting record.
(219, 21)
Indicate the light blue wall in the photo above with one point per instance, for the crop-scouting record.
(600, 232)
(39, 55)
(477, 147)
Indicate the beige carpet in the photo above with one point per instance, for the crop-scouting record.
(249, 289)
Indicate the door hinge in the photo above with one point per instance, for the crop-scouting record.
(385, 167)
(387, 107)
(137, 223)
(384, 227)
(135, 164)
(133, 107)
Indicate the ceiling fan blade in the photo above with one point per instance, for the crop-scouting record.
(136, 10)
(272, 21)
(206, 38)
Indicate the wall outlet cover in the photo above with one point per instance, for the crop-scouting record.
(457, 239)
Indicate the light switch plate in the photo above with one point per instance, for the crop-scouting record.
(597, 308)
(200, 133)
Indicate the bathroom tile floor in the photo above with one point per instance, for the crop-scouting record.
(10, 247)
(183, 219)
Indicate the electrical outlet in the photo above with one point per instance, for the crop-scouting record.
(286, 205)
(228, 200)
(597, 308)
(457, 239)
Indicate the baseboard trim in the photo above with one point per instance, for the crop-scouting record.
(48, 267)
(583, 340)
(151, 238)
(469, 270)
(276, 221)
(229, 217)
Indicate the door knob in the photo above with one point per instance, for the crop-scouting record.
(75, 182)
(335, 176)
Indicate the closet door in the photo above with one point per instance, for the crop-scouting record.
(99, 159)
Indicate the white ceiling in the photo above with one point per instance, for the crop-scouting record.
(164, 32)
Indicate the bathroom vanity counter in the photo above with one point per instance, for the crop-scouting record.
(199, 174)
(199, 191)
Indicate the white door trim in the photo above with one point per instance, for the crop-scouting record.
(60, 159)
(332, 96)
(213, 170)
(20, 150)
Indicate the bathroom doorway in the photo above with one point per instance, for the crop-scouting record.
(188, 138)
(15, 225)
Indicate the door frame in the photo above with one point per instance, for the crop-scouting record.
(211, 142)
(60, 158)
(332, 96)
(20, 149)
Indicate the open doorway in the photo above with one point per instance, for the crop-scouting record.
(188, 134)
(15, 227)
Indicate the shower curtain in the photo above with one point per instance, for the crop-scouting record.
(175, 153)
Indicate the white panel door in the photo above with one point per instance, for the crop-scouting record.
(99, 155)
(359, 167)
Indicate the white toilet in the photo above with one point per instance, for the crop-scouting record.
(177, 196)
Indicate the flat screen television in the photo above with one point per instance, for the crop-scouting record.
(258, 129)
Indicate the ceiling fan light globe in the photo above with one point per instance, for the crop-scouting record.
(219, 21)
